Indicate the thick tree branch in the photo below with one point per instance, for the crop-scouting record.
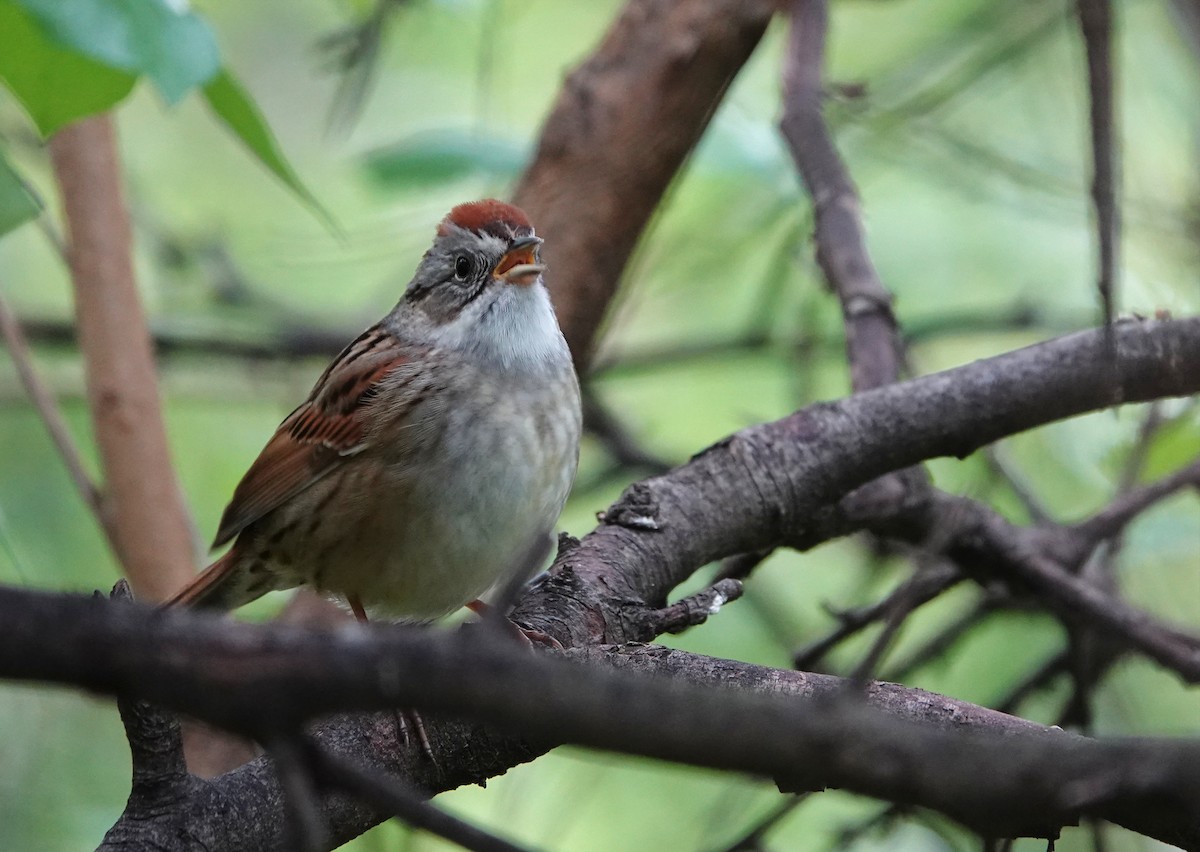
(142, 495)
(623, 124)
(998, 774)
(665, 527)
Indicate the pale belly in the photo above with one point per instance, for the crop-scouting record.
(423, 540)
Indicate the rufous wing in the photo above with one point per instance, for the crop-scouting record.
(329, 427)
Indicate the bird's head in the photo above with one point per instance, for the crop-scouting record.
(480, 284)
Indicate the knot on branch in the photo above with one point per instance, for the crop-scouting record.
(566, 543)
(861, 304)
(637, 509)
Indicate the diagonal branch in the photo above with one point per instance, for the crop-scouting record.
(624, 123)
(47, 408)
(872, 342)
(978, 536)
(921, 587)
(392, 795)
(1067, 592)
(1113, 518)
(660, 530)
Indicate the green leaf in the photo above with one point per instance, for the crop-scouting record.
(175, 49)
(55, 85)
(17, 204)
(443, 156)
(239, 113)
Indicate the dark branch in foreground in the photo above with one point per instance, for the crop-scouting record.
(1000, 775)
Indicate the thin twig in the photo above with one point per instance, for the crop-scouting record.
(1135, 462)
(391, 794)
(850, 834)
(1089, 653)
(921, 587)
(306, 823)
(933, 575)
(1036, 680)
(1095, 23)
(945, 639)
(894, 619)
(999, 465)
(753, 838)
(1117, 515)
(47, 408)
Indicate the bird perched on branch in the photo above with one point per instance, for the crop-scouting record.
(433, 451)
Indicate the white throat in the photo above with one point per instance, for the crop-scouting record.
(514, 330)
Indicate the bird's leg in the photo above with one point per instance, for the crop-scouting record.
(406, 719)
(527, 636)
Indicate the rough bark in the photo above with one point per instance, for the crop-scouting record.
(1001, 775)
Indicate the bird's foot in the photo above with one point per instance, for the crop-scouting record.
(526, 636)
(409, 727)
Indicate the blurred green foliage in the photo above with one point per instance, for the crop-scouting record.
(55, 83)
(67, 59)
(969, 148)
(173, 47)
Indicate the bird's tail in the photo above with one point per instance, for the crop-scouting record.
(213, 588)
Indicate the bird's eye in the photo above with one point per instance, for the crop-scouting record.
(462, 267)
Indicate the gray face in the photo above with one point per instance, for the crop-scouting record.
(458, 273)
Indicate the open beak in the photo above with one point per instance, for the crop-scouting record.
(520, 263)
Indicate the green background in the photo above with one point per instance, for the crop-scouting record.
(970, 154)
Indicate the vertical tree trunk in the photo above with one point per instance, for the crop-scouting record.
(142, 498)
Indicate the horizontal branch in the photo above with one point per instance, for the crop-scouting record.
(998, 774)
